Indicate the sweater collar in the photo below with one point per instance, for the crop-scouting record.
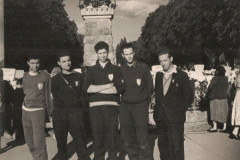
(102, 67)
(34, 74)
(133, 65)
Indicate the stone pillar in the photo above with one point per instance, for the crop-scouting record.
(1, 33)
(98, 27)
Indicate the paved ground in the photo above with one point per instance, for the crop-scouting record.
(198, 146)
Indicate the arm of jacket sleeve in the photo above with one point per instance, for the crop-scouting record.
(187, 91)
(118, 80)
(83, 95)
(48, 96)
(149, 84)
(111, 90)
(90, 87)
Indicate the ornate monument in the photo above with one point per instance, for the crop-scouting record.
(97, 16)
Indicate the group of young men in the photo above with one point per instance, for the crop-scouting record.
(107, 87)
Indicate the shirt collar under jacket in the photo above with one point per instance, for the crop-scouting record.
(173, 70)
(100, 66)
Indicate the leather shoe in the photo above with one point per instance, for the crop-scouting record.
(233, 136)
(223, 131)
(212, 130)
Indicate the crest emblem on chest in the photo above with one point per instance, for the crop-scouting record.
(139, 81)
(110, 77)
(40, 86)
(76, 83)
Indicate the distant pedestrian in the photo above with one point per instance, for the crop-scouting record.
(3, 97)
(218, 94)
(17, 101)
(9, 109)
(37, 90)
(236, 111)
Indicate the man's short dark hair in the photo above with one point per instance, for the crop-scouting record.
(63, 53)
(101, 45)
(127, 45)
(165, 51)
(33, 56)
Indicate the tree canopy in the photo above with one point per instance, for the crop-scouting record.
(38, 25)
(196, 30)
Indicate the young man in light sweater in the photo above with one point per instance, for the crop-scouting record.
(37, 90)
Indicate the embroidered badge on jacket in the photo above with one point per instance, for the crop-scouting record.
(76, 83)
(40, 86)
(176, 84)
(110, 76)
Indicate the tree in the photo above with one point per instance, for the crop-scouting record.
(227, 28)
(38, 25)
(192, 28)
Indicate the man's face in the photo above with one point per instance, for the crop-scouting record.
(34, 65)
(102, 55)
(128, 55)
(165, 61)
(65, 63)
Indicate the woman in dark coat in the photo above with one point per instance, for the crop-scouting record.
(218, 89)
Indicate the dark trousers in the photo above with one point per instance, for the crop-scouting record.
(9, 126)
(34, 127)
(104, 123)
(17, 123)
(170, 140)
(134, 130)
(70, 120)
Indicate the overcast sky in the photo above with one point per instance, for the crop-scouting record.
(129, 17)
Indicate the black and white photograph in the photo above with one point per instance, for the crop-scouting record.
(119, 79)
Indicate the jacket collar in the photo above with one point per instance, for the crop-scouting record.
(173, 70)
(99, 65)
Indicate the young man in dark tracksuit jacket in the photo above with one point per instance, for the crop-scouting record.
(102, 85)
(138, 88)
(68, 99)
